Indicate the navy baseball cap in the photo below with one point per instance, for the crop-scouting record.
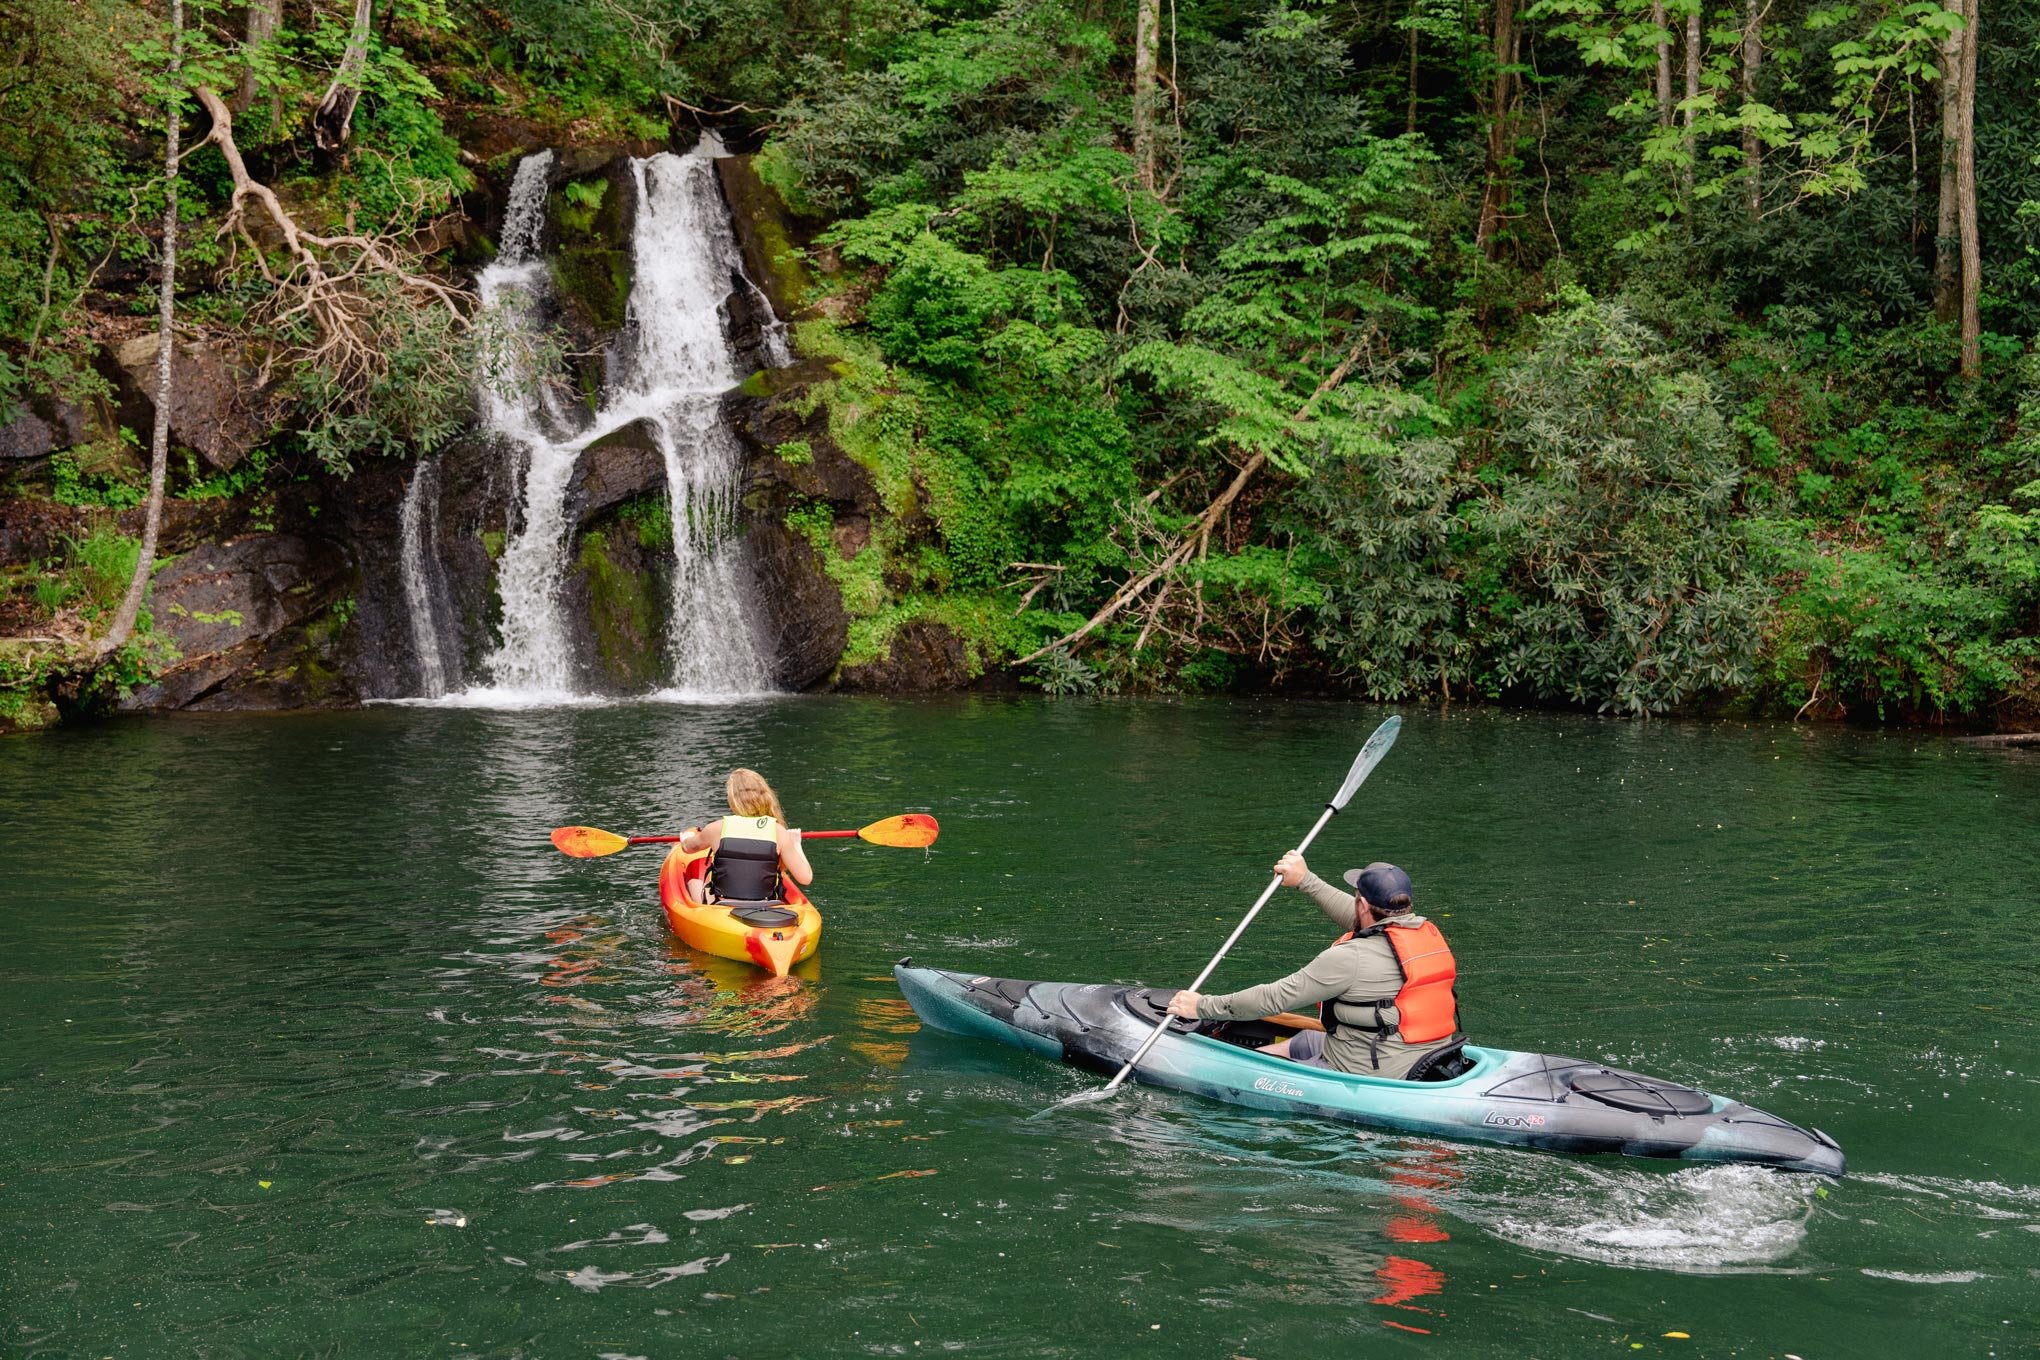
(1379, 883)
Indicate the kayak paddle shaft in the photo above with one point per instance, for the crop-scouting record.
(1230, 941)
(1363, 765)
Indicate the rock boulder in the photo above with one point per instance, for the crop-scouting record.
(233, 608)
(212, 410)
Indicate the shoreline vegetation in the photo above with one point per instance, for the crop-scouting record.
(1632, 356)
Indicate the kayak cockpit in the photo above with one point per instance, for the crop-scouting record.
(1453, 1066)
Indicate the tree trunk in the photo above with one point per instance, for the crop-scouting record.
(333, 121)
(1752, 143)
(264, 18)
(123, 625)
(1965, 193)
(1494, 202)
(1948, 225)
(1692, 93)
(1147, 43)
(1410, 124)
(1664, 64)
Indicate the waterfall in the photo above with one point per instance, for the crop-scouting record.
(419, 556)
(675, 364)
(533, 657)
(686, 256)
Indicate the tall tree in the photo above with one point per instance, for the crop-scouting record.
(1147, 43)
(1752, 143)
(263, 19)
(1692, 96)
(1416, 11)
(123, 625)
(1948, 227)
(1659, 21)
(1494, 202)
(1965, 193)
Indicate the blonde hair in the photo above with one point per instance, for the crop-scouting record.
(750, 796)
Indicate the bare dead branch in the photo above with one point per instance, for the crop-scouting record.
(1213, 513)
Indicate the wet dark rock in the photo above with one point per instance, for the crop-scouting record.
(475, 490)
(802, 622)
(922, 657)
(746, 317)
(626, 462)
(212, 407)
(231, 608)
(802, 609)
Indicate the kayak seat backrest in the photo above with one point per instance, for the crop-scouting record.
(762, 914)
(1442, 1064)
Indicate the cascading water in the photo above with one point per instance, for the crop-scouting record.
(533, 657)
(686, 255)
(419, 553)
(676, 364)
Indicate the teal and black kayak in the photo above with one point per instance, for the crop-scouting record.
(1494, 1095)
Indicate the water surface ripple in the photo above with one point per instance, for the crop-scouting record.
(310, 1045)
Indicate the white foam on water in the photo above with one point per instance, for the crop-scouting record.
(506, 697)
(1987, 1199)
(1928, 1277)
(1700, 1219)
(709, 698)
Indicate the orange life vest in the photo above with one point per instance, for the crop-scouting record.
(1426, 1006)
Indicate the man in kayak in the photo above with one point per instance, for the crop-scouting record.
(1385, 988)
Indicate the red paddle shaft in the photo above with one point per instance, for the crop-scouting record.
(805, 835)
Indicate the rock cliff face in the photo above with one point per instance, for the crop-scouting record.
(801, 602)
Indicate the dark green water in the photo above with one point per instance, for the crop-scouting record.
(309, 1044)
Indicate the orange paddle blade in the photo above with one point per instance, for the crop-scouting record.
(908, 831)
(586, 842)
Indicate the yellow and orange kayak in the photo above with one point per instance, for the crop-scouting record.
(773, 937)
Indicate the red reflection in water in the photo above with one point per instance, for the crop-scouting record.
(1404, 1279)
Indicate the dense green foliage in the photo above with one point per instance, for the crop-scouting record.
(1653, 430)
(1646, 453)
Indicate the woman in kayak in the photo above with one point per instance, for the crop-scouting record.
(753, 845)
(1385, 988)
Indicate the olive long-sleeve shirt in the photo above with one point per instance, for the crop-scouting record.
(1358, 970)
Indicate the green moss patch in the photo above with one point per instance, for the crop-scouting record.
(595, 281)
(622, 613)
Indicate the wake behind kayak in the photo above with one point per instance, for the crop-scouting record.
(1533, 1100)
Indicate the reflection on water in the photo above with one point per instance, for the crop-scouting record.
(311, 1044)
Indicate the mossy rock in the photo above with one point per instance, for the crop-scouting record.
(766, 233)
(596, 206)
(622, 613)
(594, 282)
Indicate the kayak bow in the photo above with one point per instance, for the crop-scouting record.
(1533, 1100)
